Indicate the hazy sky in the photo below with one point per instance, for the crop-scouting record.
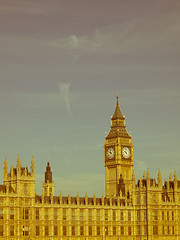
(61, 64)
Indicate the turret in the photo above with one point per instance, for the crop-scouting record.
(170, 177)
(20, 180)
(159, 179)
(18, 165)
(32, 167)
(48, 174)
(48, 184)
(148, 178)
(175, 176)
(5, 169)
(144, 175)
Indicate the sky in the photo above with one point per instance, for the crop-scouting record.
(61, 65)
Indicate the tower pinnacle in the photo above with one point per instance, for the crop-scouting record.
(48, 173)
(117, 113)
(118, 128)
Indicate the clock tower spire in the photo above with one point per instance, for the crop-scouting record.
(118, 156)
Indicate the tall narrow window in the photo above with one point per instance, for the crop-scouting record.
(81, 215)
(90, 230)
(25, 230)
(122, 230)
(64, 230)
(122, 216)
(114, 231)
(129, 230)
(129, 215)
(25, 213)
(55, 230)
(11, 213)
(163, 231)
(37, 213)
(106, 230)
(114, 215)
(145, 216)
(73, 230)
(1, 213)
(145, 230)
(98, 230)
(73, 214)
(138, 216)
(167, 215)
(11, 230)
(26, 189)
(64, 213)
(144, 200)
(155, 229)
(162, 215)
(1, 230)
(46, 214)
(98, 215)
(138, 230)
(81, 230)
(46, 230)
(106, 215)
(138, 199)
(90, 214)
(37, 231)
(155, 215)
(55, 214)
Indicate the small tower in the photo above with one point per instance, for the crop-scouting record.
(118, 155)
(20, 179)
(5, 170)
(48, 184)
(159, 179)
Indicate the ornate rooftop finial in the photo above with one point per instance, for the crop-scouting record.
(117, 113)
(148, 174)
(175, 175)
(5, 162)
(32, 161)
(18, 161)
(170, 177)
(48, 174)
(159, 178)
(118, 127)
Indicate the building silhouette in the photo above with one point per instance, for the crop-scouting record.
(146, 209)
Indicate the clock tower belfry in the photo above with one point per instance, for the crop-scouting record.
(118, 157)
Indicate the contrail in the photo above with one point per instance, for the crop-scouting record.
(64, 91)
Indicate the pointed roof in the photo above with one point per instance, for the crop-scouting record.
(48, 173)
(117, 113)
(18, 161)
(5, 162)
(118, 128)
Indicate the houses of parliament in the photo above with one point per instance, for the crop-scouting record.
(145, 209)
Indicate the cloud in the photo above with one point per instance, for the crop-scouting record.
(64, 91)
(141, 35)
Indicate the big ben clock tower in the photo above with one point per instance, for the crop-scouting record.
(118, 156)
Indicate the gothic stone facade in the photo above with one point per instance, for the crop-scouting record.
(148, 209)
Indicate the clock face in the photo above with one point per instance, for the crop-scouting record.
(126, 152)
(110, 153)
